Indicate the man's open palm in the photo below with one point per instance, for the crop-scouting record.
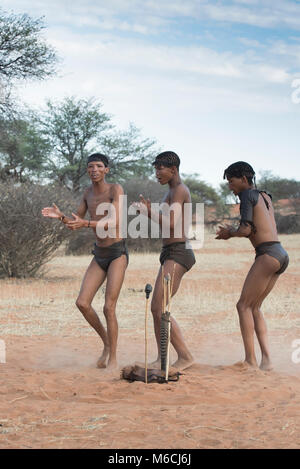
(51, 212)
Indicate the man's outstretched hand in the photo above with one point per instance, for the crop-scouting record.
(76, 224)
(52, 212)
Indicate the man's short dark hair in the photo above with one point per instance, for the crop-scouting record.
(168, 159)
(98, 157)
(240, 169)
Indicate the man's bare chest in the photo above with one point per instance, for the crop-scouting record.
(94, 201)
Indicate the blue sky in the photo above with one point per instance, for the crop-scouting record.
(210, 80)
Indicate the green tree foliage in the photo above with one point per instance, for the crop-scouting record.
(200, 190)
(24, 54)
(130, 154)
(76, 128)
(71, 128)
(226, 194)
(22, 150)
(280, 188)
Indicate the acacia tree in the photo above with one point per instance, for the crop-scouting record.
(71, 128)
(201, 192)
(280, 188)
(130, 154)
(24, 54)
(22, 150)
(77, 127)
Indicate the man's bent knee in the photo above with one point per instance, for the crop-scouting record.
(82, 305)
(109, 309)
(243, 305)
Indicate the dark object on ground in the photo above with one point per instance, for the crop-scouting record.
(154, 375)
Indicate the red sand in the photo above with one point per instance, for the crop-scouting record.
(52, 396)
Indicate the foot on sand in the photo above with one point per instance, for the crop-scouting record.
(182, 364)
(101, 363)
(112, 365)
(266, 364)
(112, 370)
(244, 365)
(156, 364)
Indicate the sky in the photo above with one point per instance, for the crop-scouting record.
(214, 81)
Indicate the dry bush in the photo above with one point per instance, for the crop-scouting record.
(80, 243)
(27, 239)
(288, 224)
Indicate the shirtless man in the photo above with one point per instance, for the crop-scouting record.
(258, 224)
(110, 253)
(175, 250)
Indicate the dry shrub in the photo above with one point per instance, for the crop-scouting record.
(80, 243)
(27, 239)
(288, 224)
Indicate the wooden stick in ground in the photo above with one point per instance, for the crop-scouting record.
(169, 325)
(148, 289)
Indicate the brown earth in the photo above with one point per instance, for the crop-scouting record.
(53, 396)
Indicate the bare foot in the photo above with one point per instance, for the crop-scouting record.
(101, 363)
(182, 364)
(244, 365)
(266, 364)
(112, 365)
(251, 363)
(155, 364)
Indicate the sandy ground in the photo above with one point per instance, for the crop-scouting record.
(53, 396)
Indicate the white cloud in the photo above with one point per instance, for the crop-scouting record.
(189, 62)
(143, 13)
(251, 42)
(178, 94)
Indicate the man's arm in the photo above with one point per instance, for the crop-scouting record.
(248, 199)
(55, 212)
(78, 218)
(170, 214)
(228, 232)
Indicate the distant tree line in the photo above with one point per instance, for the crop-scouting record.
(43, 156)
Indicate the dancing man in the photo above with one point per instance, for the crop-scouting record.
(103, 202)
(258, 224)
(176, 249)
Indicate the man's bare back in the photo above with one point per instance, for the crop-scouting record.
(264, 221)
